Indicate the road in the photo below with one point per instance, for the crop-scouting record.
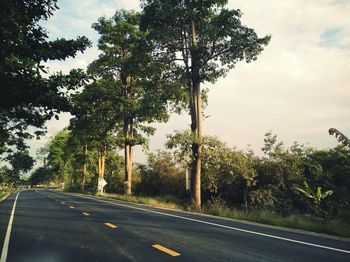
(49, 225)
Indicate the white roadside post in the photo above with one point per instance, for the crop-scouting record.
(101, 184)
(188, 178)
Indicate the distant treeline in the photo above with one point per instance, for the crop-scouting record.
(285, 180)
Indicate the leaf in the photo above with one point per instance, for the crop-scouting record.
(308, 188)
(318, 194)
(327, 193)
(304, 192)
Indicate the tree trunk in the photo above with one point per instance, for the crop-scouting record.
(84, 168)
(128, 147)
(128, 154)
(196, 121)
(245, 199)
(101, 166)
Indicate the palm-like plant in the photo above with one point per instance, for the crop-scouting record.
(316, 196)
(340, 137)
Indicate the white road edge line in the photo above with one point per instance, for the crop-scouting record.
(5, 247)
(217, 225)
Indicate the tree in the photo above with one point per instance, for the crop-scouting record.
(40, 176)
(57, 157)
(332, 171)
(139, 82)
(161, 175)
(206, 40)
(228, 174)
(280, 170)
(95, 121)
(27, 97)
(21, 162)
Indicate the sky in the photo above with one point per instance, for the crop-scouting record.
(298, 88)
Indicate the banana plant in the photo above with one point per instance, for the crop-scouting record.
(316, 197)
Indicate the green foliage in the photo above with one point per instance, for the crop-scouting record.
(316, 196)
(27, 97)
(64, 159)
(133, 86)
(227, 173)
(340, 137)
(270, 148)
(182, 141)
(334, 226)
(129, 90)
(114, 172)
(57, 158)
(5, 176)
(161, 176)
(167, 201)
(242, 179)
(40, 176)
(232, 180)
(222, 39)
(21, 161)
(201, 41)
(332, 171)
(95, 114)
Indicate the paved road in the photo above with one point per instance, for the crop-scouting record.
(53, 226)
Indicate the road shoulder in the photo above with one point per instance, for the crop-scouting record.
(243, 222)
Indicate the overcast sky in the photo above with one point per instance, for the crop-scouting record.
(298, 87)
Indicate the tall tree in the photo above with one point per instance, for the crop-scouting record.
(140, 83)
(21, 162)
(95, 121)
(206, 40)
(57, 156)
(27, 97)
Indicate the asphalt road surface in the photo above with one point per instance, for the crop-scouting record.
(48, 225)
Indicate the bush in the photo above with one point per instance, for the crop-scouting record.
(161, 176)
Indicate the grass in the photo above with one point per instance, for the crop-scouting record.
(4, 192)
(336, 226)
(167, 201)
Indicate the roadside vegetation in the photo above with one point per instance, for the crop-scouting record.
(242, 185)
(151, 64)
(4, 192)
(338, 226)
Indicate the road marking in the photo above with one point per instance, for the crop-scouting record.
(5, 247)
(166, 250)
(110, 225)
(71, 206)
(218, 225)
(62, 203)
(86, 214)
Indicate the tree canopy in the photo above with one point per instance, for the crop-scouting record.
(139, 90)
(206, 40)
(28, 97)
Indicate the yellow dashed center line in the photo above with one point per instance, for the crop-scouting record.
(110, 225)
(71, 206)
(166, 250)
(86, 214)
